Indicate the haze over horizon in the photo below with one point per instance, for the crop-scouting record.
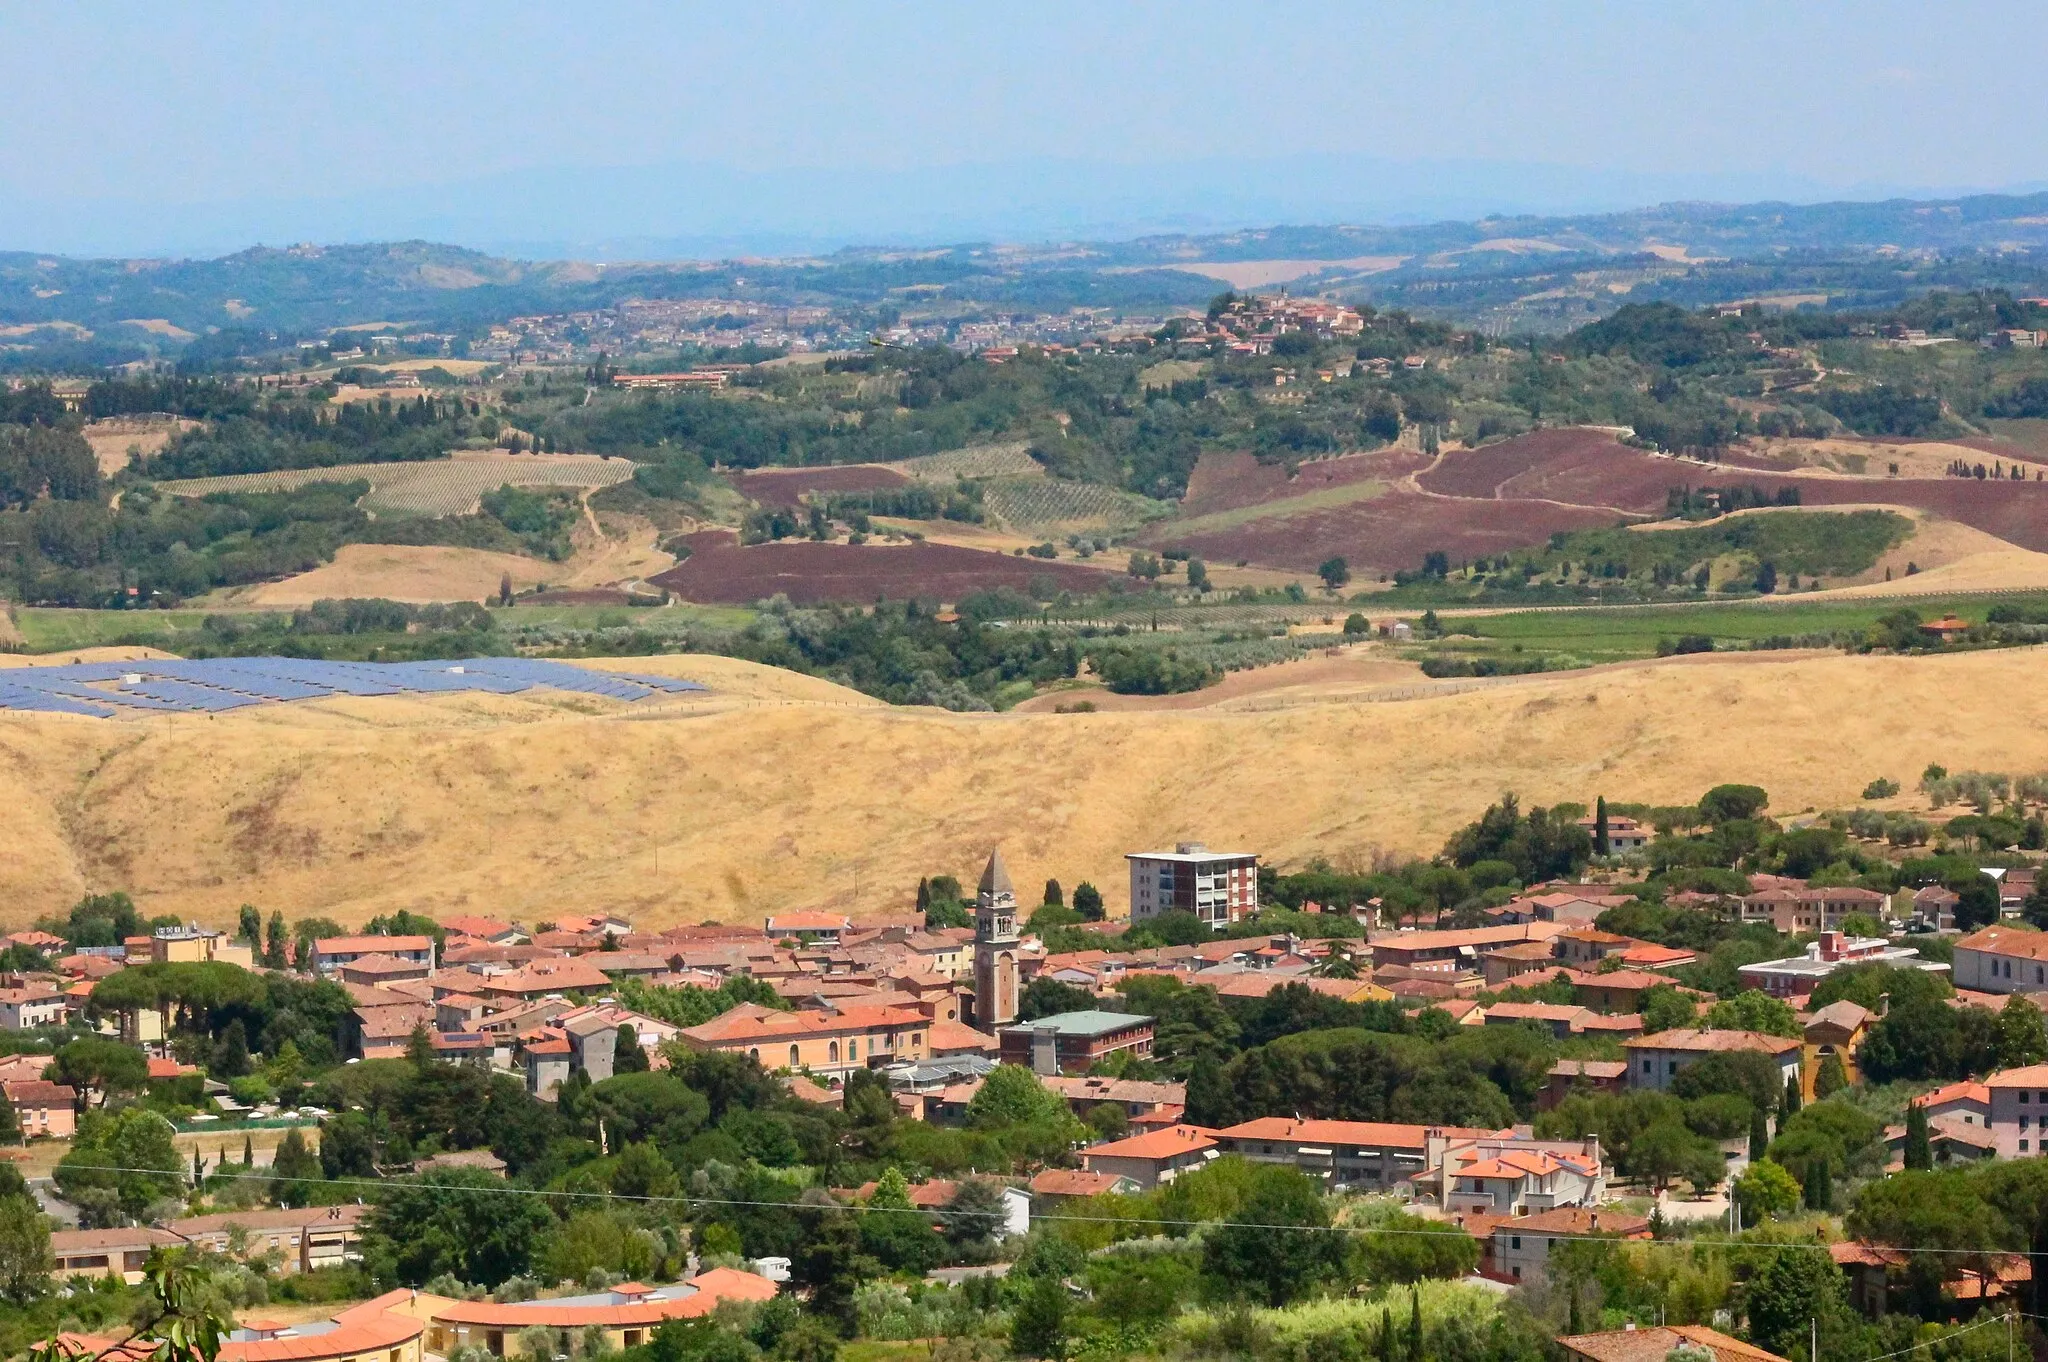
(649, 132)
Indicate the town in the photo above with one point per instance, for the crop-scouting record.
(1541, 1096)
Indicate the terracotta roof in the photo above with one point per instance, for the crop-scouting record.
(1582, 1220)
(1288, 1128)
(1074, 1182)
(482, 927)
(2032, 1076)
(1651, 954)
(1589, 1068)
(66, 1242)
(1655, 1344)
(1524, 950)
(1708, 1042)
(2014, 941)
(259, 1220)
(1617, 978)
(1965, 1091)
(1841, 1013)
(1471, 936)
(720, 1283)
(808, 922)
(1541, 1012)
(382, 964)
(36, 1092)
(369, 945)
(1157, 1144)
(752, 1022)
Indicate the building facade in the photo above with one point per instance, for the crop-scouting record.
(1218, 887)
(996, 986)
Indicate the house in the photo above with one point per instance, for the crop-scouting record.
(626, 1315)
(1136, 1097)
(2002, 959)
(44, 1110)
(1950, 1139)
(1796, 976)
(1509, 1176)
(1586, 947)
(484, 929)
(1837, 1030)
(832, 1041)
(1653, 1061)
(1560, 1019)
(1654, 1344)
(380, 969)
(1460, 949)
(539, 978)
(331, 953)
(1156, 1157)
(1966, 1102)
(303, 1240)
(1219, 887)
(1521, 1246)
(1512, 962)
(1581, 1075)
(1651, 956)
(2015, 886)
(1056, 1186)
(1616, 991)
(1935, 906)
(1624, 834)
(825, 928)
(108, 1253)
(1372, 1155)
(193, 943)
(548, 1060)
(1811, 910)
(2019, 1110)
(32, 1005)
(1574, 910)
(1075, 1042)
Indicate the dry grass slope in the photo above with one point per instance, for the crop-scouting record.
(780, 791)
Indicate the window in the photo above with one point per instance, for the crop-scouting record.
(2025, 1096)
(793, 1061)
(1515, 1241)
(832, 1052)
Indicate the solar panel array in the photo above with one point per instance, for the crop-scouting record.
(215, 685)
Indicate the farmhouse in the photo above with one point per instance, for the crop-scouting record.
(1623, 834)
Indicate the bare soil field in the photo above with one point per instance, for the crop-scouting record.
(117, 440)
(812, 573)
(396, 572)
(786, 487)
(781, 792)
(1229, 482)
(1347, 670)
(1573, 464)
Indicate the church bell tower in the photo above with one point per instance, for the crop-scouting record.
(995, 947)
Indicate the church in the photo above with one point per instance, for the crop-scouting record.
(995, 947)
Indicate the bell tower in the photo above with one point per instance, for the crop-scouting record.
(995, 947)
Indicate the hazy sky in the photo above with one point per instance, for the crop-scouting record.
(223, 102)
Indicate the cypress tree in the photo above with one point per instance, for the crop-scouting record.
(924, 895)
(1387, 1334)
(1819, 1188)
(1054, 896)
(1600, 843)
(1414, 1325)
(1919, 1149)
(1759, 1135)
(248, 1152)
(1790, 1105)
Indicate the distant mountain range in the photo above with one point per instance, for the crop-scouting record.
(1540, 272)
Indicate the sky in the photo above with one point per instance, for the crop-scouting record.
(142, 128)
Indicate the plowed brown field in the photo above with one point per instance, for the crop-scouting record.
(813, 573)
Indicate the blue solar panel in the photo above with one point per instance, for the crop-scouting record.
(188, 696)
(14, 697)
(213, 685)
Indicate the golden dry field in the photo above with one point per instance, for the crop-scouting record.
(782, 791)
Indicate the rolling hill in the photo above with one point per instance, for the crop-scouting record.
(781, 791)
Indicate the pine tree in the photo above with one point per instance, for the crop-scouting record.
(1600, 842)
(1759, 1135)
(1919, 1149)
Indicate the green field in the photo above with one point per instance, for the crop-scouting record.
(51, 630)
(1620, 633)
(667, 620)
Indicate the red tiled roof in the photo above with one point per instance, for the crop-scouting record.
(2013, 941)
(1707, 1042)
(1074, 1182)
(1156, 1144)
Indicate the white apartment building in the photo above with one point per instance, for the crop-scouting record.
(1219, 887)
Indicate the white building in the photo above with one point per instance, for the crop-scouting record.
(1796, 976)
(1219, 887)
(2003, 960)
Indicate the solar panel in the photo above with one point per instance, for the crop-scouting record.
(189, 696)
(213, 685)
(14, 697)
